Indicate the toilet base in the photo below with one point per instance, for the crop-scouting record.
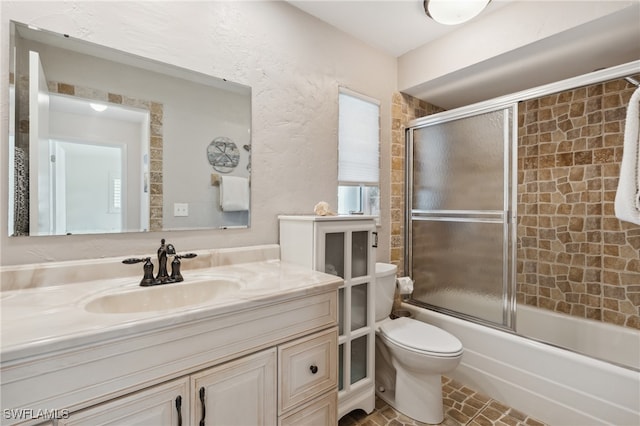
(387, 395)
(419, 396)
(425, 410)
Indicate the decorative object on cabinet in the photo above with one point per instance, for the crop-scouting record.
(342, 246)
(323, 209)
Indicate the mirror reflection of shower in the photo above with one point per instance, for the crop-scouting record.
(106, 162)
(86, 188)
(86, 156)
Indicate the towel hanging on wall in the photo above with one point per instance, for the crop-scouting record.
(627, 202)
(234, 193)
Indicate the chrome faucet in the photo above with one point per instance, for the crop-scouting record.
(163, 277)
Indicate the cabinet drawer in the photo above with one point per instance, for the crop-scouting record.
(321, 412)
(308, 368)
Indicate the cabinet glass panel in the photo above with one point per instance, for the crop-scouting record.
(359, 295)
(341, 311)
(340, 367)
(334, 254)
(359, 251)
(359, 358)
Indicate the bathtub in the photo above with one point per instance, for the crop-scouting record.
(556, 386)
(620, 345)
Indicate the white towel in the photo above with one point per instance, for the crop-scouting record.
(234, 193)
(627, 203)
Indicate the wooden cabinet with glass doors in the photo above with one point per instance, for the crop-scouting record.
(342, 246)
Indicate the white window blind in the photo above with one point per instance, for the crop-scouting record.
(358, 139)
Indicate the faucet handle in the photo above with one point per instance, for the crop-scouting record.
(147, 279)
(133, 260)
(176, 276)
(186, 256)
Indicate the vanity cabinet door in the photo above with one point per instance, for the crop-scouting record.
(238, 393)
(161, 405)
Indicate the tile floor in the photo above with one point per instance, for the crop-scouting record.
(463, 406)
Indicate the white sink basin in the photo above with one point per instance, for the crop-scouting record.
(164, 297)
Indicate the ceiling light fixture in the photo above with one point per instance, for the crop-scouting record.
(97, 107)
(453, 12)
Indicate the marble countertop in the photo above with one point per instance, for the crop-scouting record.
(43, 320)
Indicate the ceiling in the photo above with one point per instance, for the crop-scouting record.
(400, 26)
(82, 107)
(394, 26)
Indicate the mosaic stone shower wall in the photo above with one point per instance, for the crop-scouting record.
(574, 255)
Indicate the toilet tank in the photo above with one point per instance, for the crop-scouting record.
(385, 289)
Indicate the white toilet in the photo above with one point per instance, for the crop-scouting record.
(411, 356)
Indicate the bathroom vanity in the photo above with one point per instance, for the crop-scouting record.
(261, 350)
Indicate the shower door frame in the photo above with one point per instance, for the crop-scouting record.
(508, 216)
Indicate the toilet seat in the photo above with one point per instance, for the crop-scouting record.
(420, 337)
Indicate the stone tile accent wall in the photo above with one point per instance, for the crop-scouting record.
(574, 255)
(404, 108)
(155, 131)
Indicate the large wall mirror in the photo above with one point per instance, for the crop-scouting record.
(102, 141)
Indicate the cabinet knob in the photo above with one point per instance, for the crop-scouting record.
(314, 369)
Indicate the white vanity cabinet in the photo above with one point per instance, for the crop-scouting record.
(165, 404)
(268, 357)
(240, 392)
(245, 391)
(342, 246)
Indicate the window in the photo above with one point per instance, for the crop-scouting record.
(115, 194)
(358, 154)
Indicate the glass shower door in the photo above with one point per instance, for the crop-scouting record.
(460, 249)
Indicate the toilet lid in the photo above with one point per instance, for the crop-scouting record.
(420, 336)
